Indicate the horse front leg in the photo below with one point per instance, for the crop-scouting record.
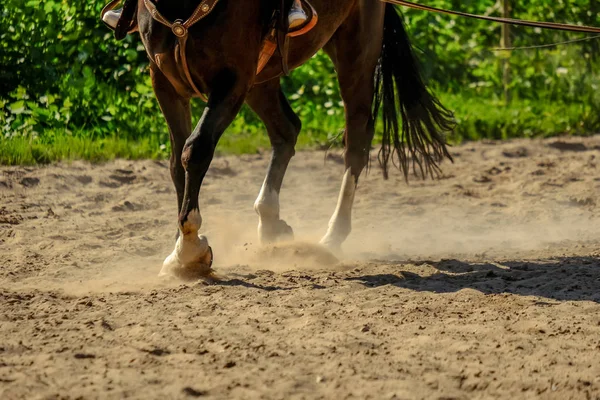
(192, 257)
(177, 113)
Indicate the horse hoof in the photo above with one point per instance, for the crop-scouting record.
(284, 231)
(278, 231)
(334, 245)
(191, 260)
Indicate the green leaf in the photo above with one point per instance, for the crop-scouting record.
(18, 107)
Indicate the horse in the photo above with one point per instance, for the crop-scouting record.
(377, 73)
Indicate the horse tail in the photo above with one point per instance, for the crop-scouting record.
(420, 140)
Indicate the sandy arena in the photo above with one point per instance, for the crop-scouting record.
(483, 284)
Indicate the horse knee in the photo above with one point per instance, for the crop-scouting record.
(284, 140)
(197, 149)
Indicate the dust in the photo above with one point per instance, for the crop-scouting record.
(121, 276)
(452, 232)
(439, 232)
(236, 244)
(436, 233)
(487, 205)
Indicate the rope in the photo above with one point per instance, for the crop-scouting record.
(548, 25)
(544, 46)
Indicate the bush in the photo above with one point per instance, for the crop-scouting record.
(62, 74)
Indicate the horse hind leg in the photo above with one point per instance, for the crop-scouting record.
(355, 65)
(358, 139)
(358, 136)
(283, 126)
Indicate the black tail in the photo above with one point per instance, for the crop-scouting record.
(400, 90)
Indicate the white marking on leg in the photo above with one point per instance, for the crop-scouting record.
(340, 224)
(192, 223)
(267, 208)
(191, 251)
(267, 202)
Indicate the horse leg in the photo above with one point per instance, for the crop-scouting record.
(354, 50)
(192, 257)
(283, 126)
(176, 111)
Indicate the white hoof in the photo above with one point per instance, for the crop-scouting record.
(191, 259)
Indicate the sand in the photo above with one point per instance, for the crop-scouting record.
(482, 284)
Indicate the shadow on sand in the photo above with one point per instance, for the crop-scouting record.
(570, 278)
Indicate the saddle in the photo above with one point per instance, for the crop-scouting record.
(276, 38)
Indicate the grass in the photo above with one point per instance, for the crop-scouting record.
(27, 151)
(491, 119)
(476, 118)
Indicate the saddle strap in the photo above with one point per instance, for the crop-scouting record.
(203, 9)
(282, 38)
(547, 25)
(181, 30)
(279, 34)
(127, 20)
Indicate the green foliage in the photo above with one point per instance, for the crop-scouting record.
(458, 52)
(68, 89)
(492, 119)
(60, 145)
(61, 69)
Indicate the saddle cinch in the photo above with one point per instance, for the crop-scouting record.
(276, 39)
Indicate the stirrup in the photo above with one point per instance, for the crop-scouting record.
(126, 21)
(296, 18)
(310, 20)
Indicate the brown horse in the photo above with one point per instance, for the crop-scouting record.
(376, 69)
